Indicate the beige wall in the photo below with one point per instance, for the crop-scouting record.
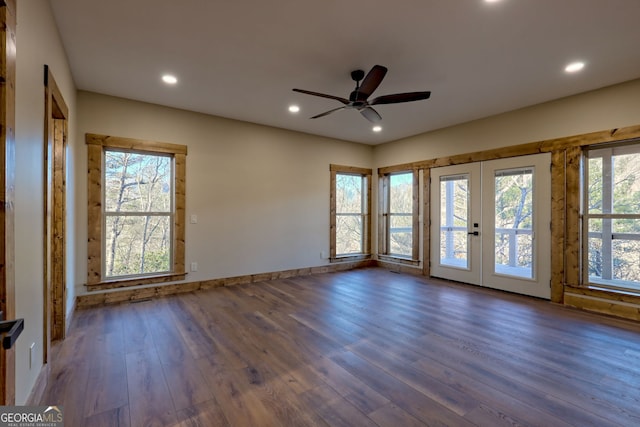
(612, 107)
(38, 44)
(261, 194)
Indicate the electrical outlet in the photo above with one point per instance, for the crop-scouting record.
(194, 219)
(194, 266)
(323, 254)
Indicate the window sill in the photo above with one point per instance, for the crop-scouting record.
(144, 280)
(346, 258)
(398, 259)
(598, 291)
(611, 289)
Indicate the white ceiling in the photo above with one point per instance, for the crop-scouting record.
(241, 58)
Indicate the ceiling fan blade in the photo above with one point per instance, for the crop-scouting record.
(370, 114)
(371, 82)
(400, 97)
(323, 95)
(327, 112)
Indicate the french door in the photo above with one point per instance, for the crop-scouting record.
(490, 224)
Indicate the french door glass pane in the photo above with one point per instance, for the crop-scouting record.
(513, 222)
(454, 221)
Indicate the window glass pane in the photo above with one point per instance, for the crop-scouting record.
(401, 214)
(626, 260)
(626, 183)
(513, 223)
(401, 193)
(137, 245)
(137, 182)
(349, 234)
(400, 234)
(594, 191)
(349, 193)
(454, 220)
(627, 225)
(595, 260)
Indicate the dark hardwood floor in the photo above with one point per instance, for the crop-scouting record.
(360, 348)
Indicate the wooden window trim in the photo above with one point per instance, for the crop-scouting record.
(96, 145)
(384, 190)
(366, 244)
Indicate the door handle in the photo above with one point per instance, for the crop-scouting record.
(474, 233)
(10, 330)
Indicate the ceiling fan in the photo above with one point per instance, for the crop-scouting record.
(358, 99)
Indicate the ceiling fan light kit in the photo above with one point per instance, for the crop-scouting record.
(359, 97)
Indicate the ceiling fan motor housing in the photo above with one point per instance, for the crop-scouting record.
(357, 75)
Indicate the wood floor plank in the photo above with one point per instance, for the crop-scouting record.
(406, 397)
(108, 379)
(351, 388)
(150, 401)
(137, 335)
(361, 347)
(204, 414)
(452, 399)
(237, 397)
(183, 377)
(335, 410)
(390, 415)
(117, 417)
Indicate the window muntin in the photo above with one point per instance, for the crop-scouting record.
(138, 213)
(350, 212)
(611, 225)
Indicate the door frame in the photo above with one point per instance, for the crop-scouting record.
(7, 189)
(54, 241)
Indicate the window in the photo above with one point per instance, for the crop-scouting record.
(398, 228)
(136, 212)
(350, 212)
(611, 248)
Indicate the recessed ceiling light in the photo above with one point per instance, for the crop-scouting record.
(492, 1)
(294, 108)
(377, 129)
(574, 67)
(169, 79)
